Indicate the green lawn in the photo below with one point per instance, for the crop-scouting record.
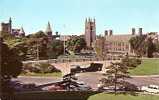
(55, 74)
(104, 96)
(148, 67)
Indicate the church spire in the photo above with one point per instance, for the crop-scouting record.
(22, 33)
(48, 30)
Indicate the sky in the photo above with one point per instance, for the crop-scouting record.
(68, 16)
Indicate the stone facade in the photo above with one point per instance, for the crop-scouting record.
(90, 31)
(116, 46)
(7, 28)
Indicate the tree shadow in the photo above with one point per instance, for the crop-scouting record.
(58, 95)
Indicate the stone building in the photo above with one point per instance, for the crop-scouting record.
(50, 34)
(7, 28)
(90, 31)
(116, 46)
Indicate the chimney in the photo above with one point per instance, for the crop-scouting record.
(106, 32)
(133, 31)
(110, 32)
(140, 31)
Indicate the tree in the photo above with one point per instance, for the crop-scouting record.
(138, 44)
(39, 34)
(157, 47)
(150, 47)
(76, 44)
(99, 47)
(117, 72)
(11, 66)
(143, 45)
(55, 48)
(131, 63)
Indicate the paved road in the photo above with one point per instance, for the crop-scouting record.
(91, 79)
(37, 80)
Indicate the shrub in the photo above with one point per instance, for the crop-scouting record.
(39, 68)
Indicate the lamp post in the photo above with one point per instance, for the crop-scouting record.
(64, 45)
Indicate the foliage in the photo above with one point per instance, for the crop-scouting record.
(11, 66)
(131, 63)
(76, 44)
(55, 48)
(39, 34)
(99, 47)
(138, 44)
(157, 47)
(117, 72)
(150, 48)
(39, 68)
(7, 36)
(115, 75)
(143, 45)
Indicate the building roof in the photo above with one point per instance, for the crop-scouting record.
(119, 38)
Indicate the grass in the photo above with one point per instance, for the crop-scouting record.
(104, 96)
(54, 74)
(148, 67)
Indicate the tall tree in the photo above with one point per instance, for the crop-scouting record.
(138, 44)
(55, 48)
(117, 72)
(76, 44)
(150, 47)
(11, 66)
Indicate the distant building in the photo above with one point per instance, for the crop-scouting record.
(115, 46)
(90, 31)
(48, 30)
(18, 32)
(50, 34)
(67, 37)
(7, 28)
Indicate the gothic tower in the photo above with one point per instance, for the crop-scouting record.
(48, 30)
(90, 31)
(6, 27)
(10, 25)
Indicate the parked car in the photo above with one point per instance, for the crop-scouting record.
(93, 67)
(83, 87)
(76, 69)
(150, 89)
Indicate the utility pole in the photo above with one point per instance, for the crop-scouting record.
(64, 45)
(37, 51)
(64, 26)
